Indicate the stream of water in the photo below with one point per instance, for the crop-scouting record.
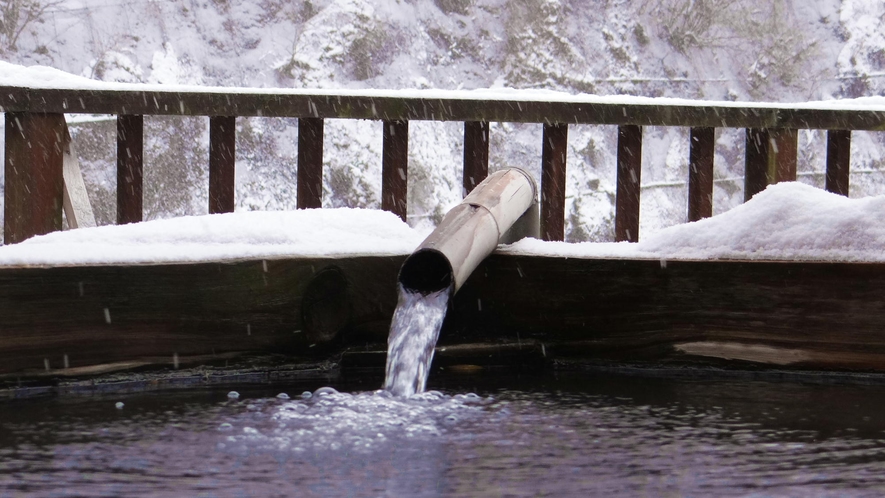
(413, 335)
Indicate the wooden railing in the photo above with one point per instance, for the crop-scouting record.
(35, 130)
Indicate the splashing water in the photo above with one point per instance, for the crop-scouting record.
(413, 334)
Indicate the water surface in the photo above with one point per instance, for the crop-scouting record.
(599, 434)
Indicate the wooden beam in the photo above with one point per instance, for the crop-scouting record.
(310, 163)
(77, 208)
(700, 173)
(838, 161)
(628, 183)
(802, 315)
(222, 164)
(476, 154)
(771, 157)
(571, 110)
(395, 168)
(553, 174)
(150, 313)
(130, 168)
(34, 192)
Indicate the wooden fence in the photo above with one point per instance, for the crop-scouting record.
(35, 131)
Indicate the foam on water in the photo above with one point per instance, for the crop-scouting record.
(413, 335)
(329, 420)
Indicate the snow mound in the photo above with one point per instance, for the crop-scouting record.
(787, 221)
(222, 237)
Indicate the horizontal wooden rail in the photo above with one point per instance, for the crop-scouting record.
(445, 106)
(771, 144)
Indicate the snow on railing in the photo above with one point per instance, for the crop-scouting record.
(35, 100)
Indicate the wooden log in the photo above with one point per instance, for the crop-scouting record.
(771, 157)
(130, 168)
(628, 183)
(838, 161)
(222, 164)
(476, 154)
(395, 168)
(34, 192)
(553, 174)
(111, 314)
(700, 173)
(806, 315)
(432, 107)
(77, 208)
(310, 163)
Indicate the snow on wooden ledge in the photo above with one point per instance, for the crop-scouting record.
(787, 221)
(339, 232)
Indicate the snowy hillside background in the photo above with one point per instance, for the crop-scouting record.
(743, 50)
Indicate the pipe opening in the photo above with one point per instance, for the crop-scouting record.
(426, 271)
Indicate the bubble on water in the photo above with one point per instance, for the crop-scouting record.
(325, 391)
(306, 395)
(283, 396)
(250, 430)
(251, 407)
(119, 405)
(233, 395)
(225, 427)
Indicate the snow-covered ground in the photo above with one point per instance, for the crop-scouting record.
(738, 50)
(787, 221)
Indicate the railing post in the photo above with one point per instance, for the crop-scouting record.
(222, 164)
(130, 168)
(553, 170)
(476, 154)
(771, 157)
(34, 193)
(310, 163)
(628, 183)
(838, 161)
(395, 167)
(700, 173)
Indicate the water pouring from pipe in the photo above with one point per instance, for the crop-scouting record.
(501, 209)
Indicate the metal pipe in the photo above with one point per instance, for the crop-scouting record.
(502, 208)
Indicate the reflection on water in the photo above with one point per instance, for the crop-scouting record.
(597, 434)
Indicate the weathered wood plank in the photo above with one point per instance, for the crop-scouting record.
(476, 154)
(110, 314)
(77, 208)
(354, 106)
(820, 315)
(700, 173)
(838, 161)
(34, 191)
(395, 168)
(222, 164)
(310, 163)
(130, 168)
(628, 183)
(553, 174)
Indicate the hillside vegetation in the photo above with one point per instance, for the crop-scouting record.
(744, 50)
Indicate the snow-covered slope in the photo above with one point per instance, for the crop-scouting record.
(783, 51)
